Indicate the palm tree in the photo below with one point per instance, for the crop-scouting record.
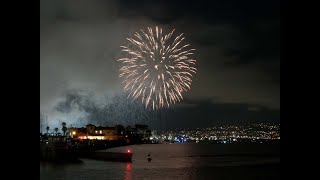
(47, 129)
(56, 130)
(64, 128)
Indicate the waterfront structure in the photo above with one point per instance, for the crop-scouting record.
(93, 132)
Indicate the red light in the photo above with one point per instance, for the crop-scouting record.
(128, 151)
(128, 166)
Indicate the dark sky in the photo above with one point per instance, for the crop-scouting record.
(237, 48)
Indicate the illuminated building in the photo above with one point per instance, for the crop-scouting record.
(93, 132)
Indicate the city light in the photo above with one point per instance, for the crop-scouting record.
(230, 134)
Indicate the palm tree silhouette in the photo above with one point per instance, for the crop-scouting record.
(47, 129)
(64, 128)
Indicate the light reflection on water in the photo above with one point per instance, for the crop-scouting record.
(127, 175)
(172, 161)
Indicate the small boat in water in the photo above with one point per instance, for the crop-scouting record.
(111, 156)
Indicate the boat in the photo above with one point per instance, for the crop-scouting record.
(111, 156)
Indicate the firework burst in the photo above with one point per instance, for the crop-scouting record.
(157, 69)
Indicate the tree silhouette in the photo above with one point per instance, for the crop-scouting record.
(48, 128)
(64, 128)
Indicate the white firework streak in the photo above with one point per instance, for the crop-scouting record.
(158, 69)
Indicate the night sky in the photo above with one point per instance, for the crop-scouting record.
(237, 48)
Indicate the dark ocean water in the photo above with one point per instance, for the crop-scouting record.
(177, 161)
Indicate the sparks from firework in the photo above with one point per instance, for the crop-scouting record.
(157, 68)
